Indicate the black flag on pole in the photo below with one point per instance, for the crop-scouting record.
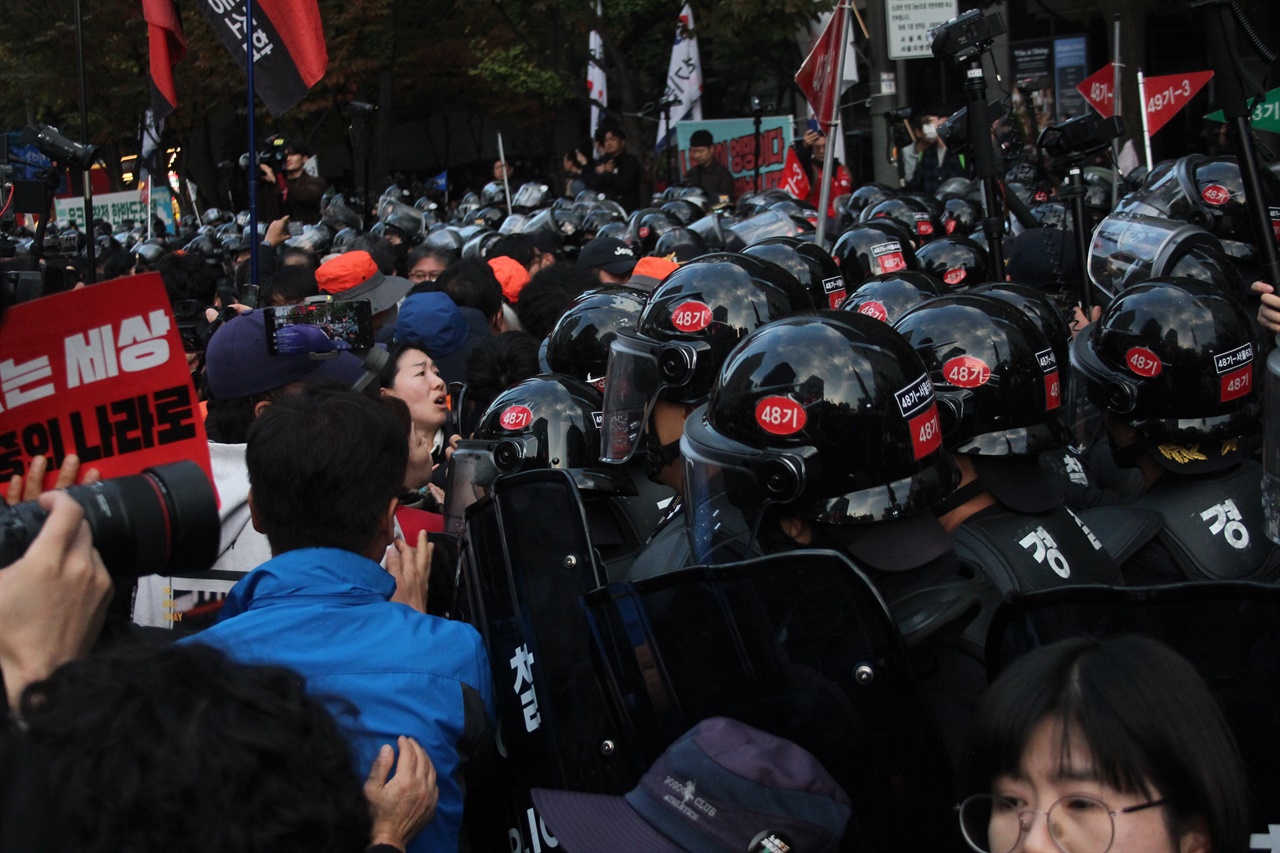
(289, 53)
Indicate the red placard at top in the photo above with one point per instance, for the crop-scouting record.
(98, 372)
(1170, 93)
(1099, 90)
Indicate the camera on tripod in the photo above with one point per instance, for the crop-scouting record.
(1080, 136)
(965, 37)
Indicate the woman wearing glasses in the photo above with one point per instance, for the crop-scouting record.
(1114, 746)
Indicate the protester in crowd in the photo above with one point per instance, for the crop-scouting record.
(354, 275)
(707, 173)
(293, 191)
(609, 259)
(617, 173)
(426, 263)
(290, 285)
(358, 634)
(471, 283)
(441, 329)
(548, 294)
(811, 150)
(498, 362)
(1102, 745)
(412, 376)
(935, 161)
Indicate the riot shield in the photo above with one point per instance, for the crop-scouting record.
(799, 645)
(1228, 630)
(529, 560)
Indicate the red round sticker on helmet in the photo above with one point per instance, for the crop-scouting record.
(874, 309)
(780, 415)
(515, 417)
(691, 316)
(924, 226)
(644, 231)
(1041, 195)
(1216, 194)
(951, 226)
(1143, 362)
(965, 371)
(954, 276)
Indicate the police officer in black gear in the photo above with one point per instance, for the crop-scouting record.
(811, 264)
(999, 389)
(1173, 364)
(659, 373)
(822, 431)
(578, 346)
(888, 296)
(549, 422)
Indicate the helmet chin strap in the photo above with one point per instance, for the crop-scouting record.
(657, 455)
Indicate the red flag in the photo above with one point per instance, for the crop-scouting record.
(168, 46)
(817, 75)
(1166, 95)
(289, 54)
(794, 180)
(1099, 90)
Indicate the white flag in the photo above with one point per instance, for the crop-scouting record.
(596, 89)
(684, 77)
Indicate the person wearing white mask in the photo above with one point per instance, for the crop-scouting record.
(935, 161)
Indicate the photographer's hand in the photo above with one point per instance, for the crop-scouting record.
(268, 174)
(28, 490)
(1269, 308)
(411, 567)
(53, 599)
(402, 806)
(277, 231)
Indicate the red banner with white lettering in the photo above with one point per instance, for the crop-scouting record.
(817, 74)
(1099, 90)
(794, 180)
(98, 372)
(1170, 93)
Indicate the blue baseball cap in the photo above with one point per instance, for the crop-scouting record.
(237, 363)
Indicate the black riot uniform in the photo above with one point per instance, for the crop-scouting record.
(688, 326)
(578, 346)
(822, 431)
(1173, 363)
(999, 387)
(549, 422)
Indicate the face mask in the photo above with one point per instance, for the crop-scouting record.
(930, 131)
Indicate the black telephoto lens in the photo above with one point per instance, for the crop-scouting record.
(162, 521)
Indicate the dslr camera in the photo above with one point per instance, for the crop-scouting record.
(1080, 136)
(162, 521)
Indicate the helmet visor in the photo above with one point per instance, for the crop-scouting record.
(1126, 248)
(471, 474)
(639, 370)
(728, 486)
(770, 223)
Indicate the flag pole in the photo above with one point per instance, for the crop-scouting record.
(89, 228)
(1116, 65)
(253, 149)
(506, 184)
(1142, 105)
(832, 122)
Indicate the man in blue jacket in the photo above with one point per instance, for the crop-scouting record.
(325, 467)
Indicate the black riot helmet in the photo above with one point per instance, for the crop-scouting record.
(864, 251)
(1205, 191)
(828, 417)
(957, 262)
(646, 230)
(887, 297)
(914, 215)
(960, 216)
(684, 209)
(812, 266)
(688, 326)
(549, 422)
(493, 193)
(445, 239)
(530, 196)
(1042, 310)
(995, 374)
(867, 196)
(1128, 248)
(578, 346)
(1176, 359)
(679, 245)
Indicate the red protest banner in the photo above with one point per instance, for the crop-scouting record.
(817, 74)
(794, 181)
(1099, 90)
(100, 373)
(1170, 93)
